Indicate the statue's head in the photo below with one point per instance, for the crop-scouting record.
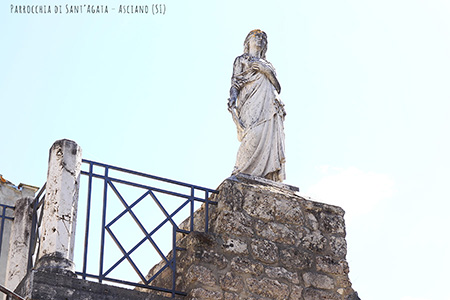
(256, 34)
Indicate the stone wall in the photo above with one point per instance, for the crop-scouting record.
(265, 242)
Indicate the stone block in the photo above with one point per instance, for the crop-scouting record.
(318, 281)
(332, 223)
(277, 232)
(264, 251)
(282, 273)
(200, 274)
(296, 293)
(293, 258)
(231, 282)
(314, 294)
(315, 242)
(332, 265)
(235, 223)
(235, 246)
(338, 246)
(269, 288)
(202, 294)
(246, 266)
(260, 206)
(289, 211)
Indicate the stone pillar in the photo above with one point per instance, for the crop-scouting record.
(16, 268)
(60, 207)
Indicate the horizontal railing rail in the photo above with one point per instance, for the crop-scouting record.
(148, 189)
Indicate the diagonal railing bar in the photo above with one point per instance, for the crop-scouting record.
(135, 218)
(126, 210)
(168, 265)
(168, 217)
(124, 252)
(121, 177)
(161, 254)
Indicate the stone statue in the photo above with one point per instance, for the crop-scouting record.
(257, 112)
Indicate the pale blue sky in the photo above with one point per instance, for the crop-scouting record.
(366, 89)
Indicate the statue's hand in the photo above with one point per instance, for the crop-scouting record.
(257, 66)
(231, 102)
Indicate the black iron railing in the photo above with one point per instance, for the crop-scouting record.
(6, 212)
(10, 294)
(143, 190)
(38, 210)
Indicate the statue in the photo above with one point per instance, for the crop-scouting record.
(257, 112)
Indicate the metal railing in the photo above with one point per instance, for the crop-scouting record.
(38, 210)
(10, 294)
(115, 182)
(4, 216)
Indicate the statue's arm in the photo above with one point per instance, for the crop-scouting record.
(234, 90)
(269, 72)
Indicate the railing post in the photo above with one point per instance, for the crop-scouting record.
(60, 207)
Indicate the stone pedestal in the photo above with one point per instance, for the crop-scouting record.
(265, 242)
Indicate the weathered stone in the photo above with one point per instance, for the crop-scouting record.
(235, 223)
(202, 294)
(282, 273)
(259, 205)
(264, 251)
(211, 257)
(19, 244)
(343, 281)
(296, 292)
(199, 240)
(246, 266)
(318, 281)
(312, 221)
(314, 241)
(338, 246)
(231, 282)
(294, 258)
(231, 296)
(289, 211)
(60, 206)
(270, 288)
(332, 223)
(277, 232)
(331, 265)
(200, 274)
(48, 285)
(313, 294)
(235, 246)
(259, 255)
(317, 207)
(232, 199)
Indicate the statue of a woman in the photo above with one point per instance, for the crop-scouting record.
(257, 111)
